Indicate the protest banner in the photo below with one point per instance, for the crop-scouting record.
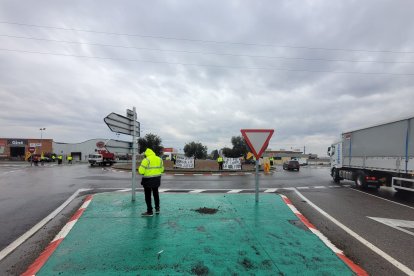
(232, 164)
(184, 162)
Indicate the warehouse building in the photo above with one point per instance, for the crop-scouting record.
(18, 149)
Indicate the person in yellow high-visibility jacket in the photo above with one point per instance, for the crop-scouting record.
(151, 169)
(220, 162)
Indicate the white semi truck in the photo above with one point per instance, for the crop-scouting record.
(377, 155)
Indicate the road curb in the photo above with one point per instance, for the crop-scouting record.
(44, 256)
(354, 267)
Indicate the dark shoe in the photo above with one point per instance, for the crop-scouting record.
(147, 214)
(157, 211)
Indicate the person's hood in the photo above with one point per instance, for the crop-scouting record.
(149, 152)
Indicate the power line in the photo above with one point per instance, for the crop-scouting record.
(208, 41)
(203, 53)
(208, 65)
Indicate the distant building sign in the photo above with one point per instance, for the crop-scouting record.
(100, 144)
(2, 147)
(33, 145)
(17, 142)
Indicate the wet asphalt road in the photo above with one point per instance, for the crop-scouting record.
(28, 194)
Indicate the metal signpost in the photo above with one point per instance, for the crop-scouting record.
(257, 140)
(127, 125)
(31, 150)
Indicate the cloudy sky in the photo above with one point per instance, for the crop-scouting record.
(202, 70)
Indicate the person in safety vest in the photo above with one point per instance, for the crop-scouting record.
(70, 158)
(151, 169)
(220, 162)
(60, 158)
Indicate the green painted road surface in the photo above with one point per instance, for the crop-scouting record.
(241, 238)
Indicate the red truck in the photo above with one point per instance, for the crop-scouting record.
(102, 158)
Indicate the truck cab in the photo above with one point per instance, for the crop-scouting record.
(95, 159)
(335, 153)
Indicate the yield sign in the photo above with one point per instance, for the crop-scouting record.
(397, 224)
(257, 139)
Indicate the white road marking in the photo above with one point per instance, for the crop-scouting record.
(125, 190)
(381, 253)
(301, 188)
(270, 190)
(234, 191)
(383, 199)
(397, 224)
(163, 190)
(196, 191)
(6, 251)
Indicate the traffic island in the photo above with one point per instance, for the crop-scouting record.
(195, 234)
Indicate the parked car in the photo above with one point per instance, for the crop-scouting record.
(291, 165)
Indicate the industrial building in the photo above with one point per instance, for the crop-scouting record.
(18, 149)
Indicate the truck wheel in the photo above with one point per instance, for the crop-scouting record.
(335, 176)
(360, 180)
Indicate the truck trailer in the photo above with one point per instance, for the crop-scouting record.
(377, 155)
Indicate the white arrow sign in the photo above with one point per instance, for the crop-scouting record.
(397, 224)
(121, 124)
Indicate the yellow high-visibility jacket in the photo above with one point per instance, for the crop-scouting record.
(151, 166)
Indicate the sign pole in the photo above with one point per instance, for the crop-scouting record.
(257, 180)
(258, 141)
(134, 154)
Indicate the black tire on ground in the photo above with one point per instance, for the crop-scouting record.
(360, 180)
(335, 176)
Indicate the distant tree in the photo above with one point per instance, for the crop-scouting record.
(214, 154)
(151, 141)
(227, 152)
(195, 149)
(240, 147)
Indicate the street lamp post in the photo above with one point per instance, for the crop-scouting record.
(41, 137)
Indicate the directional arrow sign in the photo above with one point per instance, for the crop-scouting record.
(397, 224)
(257, 139)
(121, 124)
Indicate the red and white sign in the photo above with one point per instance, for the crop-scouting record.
(257, 139)
(32, 149)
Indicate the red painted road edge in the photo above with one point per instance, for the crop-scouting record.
(354, 267)
(44, 256)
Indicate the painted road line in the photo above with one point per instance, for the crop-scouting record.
(301, 188)
(6, 251)
(357, 269)
(383, 199)
(235, 191)
(44, 256)
(163, 190)
(381, 253)
(398, 224)
(197, 174)
(179, 174)
(196, 191)
(216, 174)
(124, 190)
(319, 187)
(270, 190)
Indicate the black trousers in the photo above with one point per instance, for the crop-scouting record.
(147, 191)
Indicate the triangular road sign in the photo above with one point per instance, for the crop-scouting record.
(257, 139)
